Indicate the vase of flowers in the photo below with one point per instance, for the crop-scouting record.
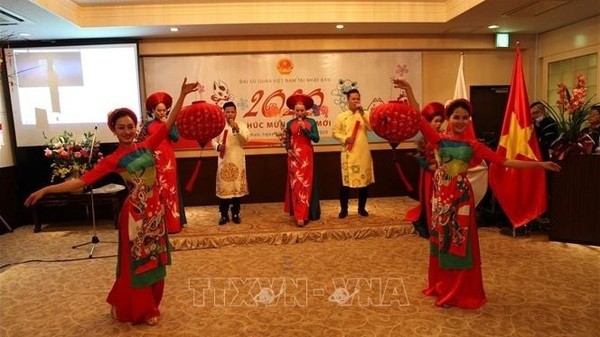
(571, 115)
(70, 158)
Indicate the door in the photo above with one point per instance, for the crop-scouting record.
(489, 104)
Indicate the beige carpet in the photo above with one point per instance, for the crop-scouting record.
(349, 287)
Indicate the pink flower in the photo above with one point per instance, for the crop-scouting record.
(568, 102)
(68, 156)
(572, 109)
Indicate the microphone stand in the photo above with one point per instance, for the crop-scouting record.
(95, 240)
(6, 225)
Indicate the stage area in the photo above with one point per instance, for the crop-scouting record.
(268, 224)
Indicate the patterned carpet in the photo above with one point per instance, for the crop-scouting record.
(328, 285)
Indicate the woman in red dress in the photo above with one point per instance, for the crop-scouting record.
(455, 277)
(143, 243)
(301, 198)
(157, 106)
(420, 215)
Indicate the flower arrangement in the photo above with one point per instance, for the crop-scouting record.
(571, 115)
(69, 157)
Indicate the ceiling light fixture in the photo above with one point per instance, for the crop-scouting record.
(339, 26)
(174, 29)
(24, 34)
(493, 26)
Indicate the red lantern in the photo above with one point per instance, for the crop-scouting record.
(201, 122)
(395, 121)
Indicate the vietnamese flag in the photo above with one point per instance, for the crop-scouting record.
(521, 192)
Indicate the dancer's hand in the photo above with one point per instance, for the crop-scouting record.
(551, 166)
(34, 197)
(408, 91)
(187, 88)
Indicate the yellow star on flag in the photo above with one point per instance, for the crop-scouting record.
(517, 139)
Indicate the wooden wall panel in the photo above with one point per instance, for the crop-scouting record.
(266, 177)
(575, 201)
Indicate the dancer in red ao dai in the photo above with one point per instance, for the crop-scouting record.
(157, 106)
(455, 277)
(420, 215)
(143, 243)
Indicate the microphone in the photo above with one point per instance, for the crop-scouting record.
(234, 130)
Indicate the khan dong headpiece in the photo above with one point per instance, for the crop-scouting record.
(299, 98)
(158, 97)
(433, 109)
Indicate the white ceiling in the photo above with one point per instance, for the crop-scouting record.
(82, 19)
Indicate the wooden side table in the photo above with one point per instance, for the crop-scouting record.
(113, 198)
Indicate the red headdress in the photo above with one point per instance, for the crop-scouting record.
(299, 98)
(158, 97)
(118, 113)
(432, 110)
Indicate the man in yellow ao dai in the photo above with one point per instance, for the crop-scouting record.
(350, 128)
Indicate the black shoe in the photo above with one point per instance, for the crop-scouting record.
(363, 212)
(542, 224)
(523, 231)
(223, 220)
(343, 214)
(236, 219)
(421, 228)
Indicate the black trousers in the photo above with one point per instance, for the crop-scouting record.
(363, 193)
(225, 203)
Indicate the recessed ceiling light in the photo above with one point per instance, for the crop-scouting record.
(174, 29)
(339, 26)
(493, 26)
